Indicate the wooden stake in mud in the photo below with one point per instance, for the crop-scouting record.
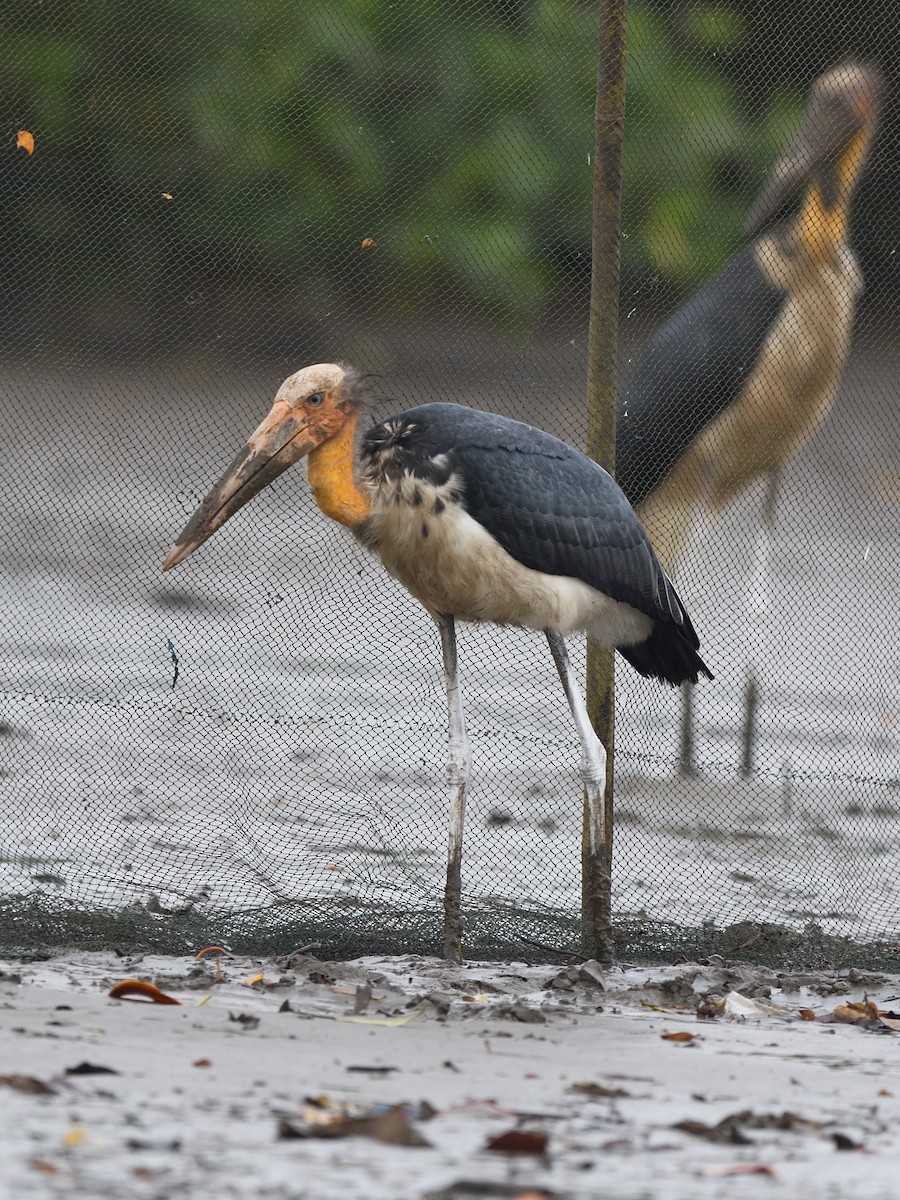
(596, 847)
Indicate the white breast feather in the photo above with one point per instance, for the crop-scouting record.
(451, 564)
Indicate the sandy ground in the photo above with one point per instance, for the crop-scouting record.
(197, 1098)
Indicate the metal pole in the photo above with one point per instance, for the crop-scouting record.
(609, 124)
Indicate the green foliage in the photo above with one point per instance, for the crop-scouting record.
(458, 136)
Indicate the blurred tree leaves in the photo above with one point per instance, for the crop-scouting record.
(459, 136)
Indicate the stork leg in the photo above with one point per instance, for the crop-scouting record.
(593, 772)
(759, 602)
(458, 779)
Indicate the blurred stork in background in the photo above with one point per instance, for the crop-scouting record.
(743, 372)
(481, 518)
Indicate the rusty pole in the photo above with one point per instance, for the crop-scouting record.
(609, 124)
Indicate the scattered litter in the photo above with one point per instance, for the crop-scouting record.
(724, 1169)
(131, 989)
(245, 1020)
(597, 1091)
(393, 1127)
(86, 1068)
(519, 1141)
(27, 1084)
(388, 1021)
(730, 1129)
(738, 1007)
(842, 1142)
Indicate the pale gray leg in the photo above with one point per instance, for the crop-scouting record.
(593, 754)
(458, 779)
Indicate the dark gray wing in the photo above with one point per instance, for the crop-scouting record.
(548, 505)
(691, 369)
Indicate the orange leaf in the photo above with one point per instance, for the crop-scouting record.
(807, 1014)
(138, 987)
(202, 1062)
(367, 243)
(25, 141)
(682, 1036)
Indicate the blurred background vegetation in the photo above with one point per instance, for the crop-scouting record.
(207, 171)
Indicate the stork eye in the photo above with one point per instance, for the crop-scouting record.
(315, 400)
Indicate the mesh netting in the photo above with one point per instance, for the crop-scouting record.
(220, 194)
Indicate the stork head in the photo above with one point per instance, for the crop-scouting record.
(313, 408)
(829, 146)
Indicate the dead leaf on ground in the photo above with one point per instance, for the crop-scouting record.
(862, 1013)
(842, 1142)
(478, 1189)
(25, 141)
(202, 1062)
(598, 1090)
(519, 1141)
(86, 1068)
(27, 1084)
(807, 1014)
(393, 1127)
(730, 1129)
(245, 1020)
(724, 1169)
(683, 1036)
(41, 1164)
(367, 243)
(134, 989)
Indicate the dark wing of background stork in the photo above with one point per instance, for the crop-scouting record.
(551, 507)
(691, 369)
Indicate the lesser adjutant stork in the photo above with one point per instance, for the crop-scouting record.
(481, 518)
(742, 373)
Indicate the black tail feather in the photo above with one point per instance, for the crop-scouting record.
(667, 655)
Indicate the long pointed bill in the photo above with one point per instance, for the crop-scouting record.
(817, 146)
(284, 437)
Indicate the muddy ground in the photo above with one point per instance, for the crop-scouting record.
(390, 1077)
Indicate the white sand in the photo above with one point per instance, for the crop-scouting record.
(163, 1127)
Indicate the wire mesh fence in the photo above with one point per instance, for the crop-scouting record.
(253, 749)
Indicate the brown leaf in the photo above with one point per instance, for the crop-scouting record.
(25, 141)
(682, 1036)
(130, 989)
(597, 1090)
(367, 243)
(856, 1011)
(202, 1062)
(27, 1084)
(885, 1092)
(807, 1014)
(519, 1141)
(41, 1164)
(723, 1169)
